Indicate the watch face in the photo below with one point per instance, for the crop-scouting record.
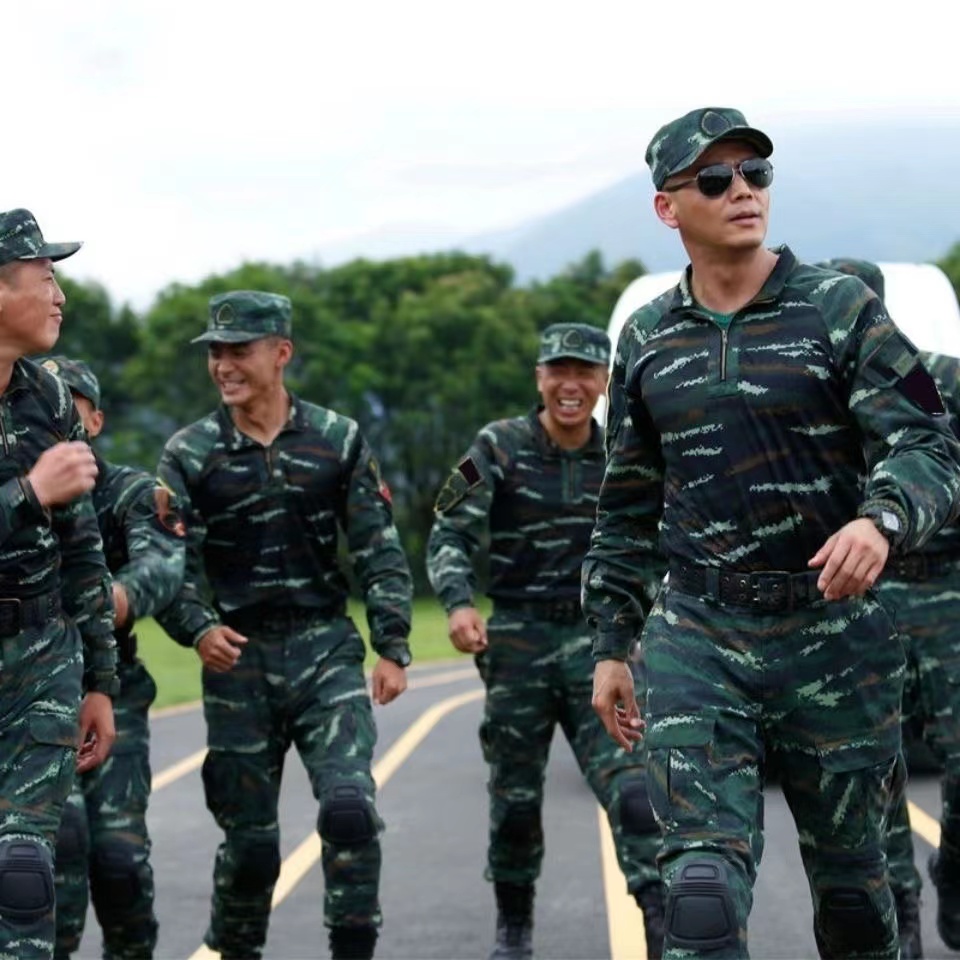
(890, 521)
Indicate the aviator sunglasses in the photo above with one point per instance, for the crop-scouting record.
(715, 180)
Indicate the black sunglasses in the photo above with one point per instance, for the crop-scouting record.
(715, 180)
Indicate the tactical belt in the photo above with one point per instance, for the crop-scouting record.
(554, 611)
(126, 646)
(17, 614)
(760, 589)
(252, 616)
(921, 566)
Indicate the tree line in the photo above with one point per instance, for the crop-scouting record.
(420, 351)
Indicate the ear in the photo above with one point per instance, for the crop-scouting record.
(664, 205)
(95, 424)
(539, 372)
(284, 353)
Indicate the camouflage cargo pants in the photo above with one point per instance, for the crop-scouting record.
(819, 687)
(103, 848)
(299, 682)
(925, 613)
(538, 675)
(40, 677)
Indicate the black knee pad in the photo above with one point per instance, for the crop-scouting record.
(521, 826)
(26, 882)
(114, 879)
(256, 866)
(700, 914)
(73, 838)
(346, 819)
(636, 813)
(850, 923)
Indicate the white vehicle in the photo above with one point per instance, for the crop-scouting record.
(919, 298)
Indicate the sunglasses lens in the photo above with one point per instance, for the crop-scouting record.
(757, 172)
(715, 179)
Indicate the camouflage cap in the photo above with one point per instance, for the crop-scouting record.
(868, 272)
(244, 315)
(579, 341)
(21, 239)
(679, 143)
(77, 376)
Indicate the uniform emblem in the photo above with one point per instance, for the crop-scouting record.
(713, 124)
(573, 340)
(225, 316)
(51, 365)
(466, 476)
(167, 515)
(382, 487)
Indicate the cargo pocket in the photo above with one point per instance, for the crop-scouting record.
(680, 765)
(52, 764)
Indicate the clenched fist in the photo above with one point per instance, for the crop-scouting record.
(63, 472)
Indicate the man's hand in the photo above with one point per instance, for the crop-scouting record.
(852, 559)
(467, 630)
(389, 681)
(615, 702)
(219, 648)
(62, 472)
(121, 605)
(97, 731)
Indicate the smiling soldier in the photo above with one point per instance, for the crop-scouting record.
(534, 480)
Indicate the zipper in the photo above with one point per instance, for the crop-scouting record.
(723, 352)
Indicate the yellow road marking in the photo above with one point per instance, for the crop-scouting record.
(165, 777)
(307, 854)
(624, 919)
(924, 825)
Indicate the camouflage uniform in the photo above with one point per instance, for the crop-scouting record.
(262, 528)
(54, 593)
(742, 448)
(103, 834)
(538, 502)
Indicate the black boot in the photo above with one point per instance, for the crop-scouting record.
(908, 924)
(945, 874)
(514, 921)
(352, 943)
(650, 901)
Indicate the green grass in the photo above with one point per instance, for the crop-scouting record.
(177, 669)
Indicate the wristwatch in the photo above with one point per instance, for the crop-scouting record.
(886, 521)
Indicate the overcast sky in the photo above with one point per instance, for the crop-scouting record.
(177, 139)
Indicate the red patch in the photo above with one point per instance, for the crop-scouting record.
(385, 491)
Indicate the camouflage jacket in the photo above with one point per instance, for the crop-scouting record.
(143, 537)
(262, 524)
(539, 502)
(748, 447)
(59, 549)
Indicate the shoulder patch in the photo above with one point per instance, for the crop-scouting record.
(382, 487)
(466, 476)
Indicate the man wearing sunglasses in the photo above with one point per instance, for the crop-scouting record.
(775, 435)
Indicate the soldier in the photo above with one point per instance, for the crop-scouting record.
(103, 833)
(534, 480)
(265, 481)
(778, 435)
(55, 592)
(921, 590)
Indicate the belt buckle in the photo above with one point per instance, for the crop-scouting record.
(9, 616)
(773, 590)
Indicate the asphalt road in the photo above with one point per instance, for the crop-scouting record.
(432, 796)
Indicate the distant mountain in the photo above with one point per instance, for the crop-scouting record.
(880, 192)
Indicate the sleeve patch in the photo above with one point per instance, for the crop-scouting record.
(466, 476)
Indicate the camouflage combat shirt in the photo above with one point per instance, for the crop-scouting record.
(262, 524)
(539, 502)
(60, 549)
(143, 537)
(748, 447)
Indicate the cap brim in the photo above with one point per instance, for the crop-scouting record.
(55, 251)
(572, 355)
(229, 336)
(751, 135)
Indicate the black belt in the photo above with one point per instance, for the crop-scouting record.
(245, 618)
(554, 611)
(920, 566)
(19, 613)
(759, 589)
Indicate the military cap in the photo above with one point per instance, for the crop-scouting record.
(678, 144)
(77, 376)
(244, 315)
(868, 272)
(21, 239)
(579, 341)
